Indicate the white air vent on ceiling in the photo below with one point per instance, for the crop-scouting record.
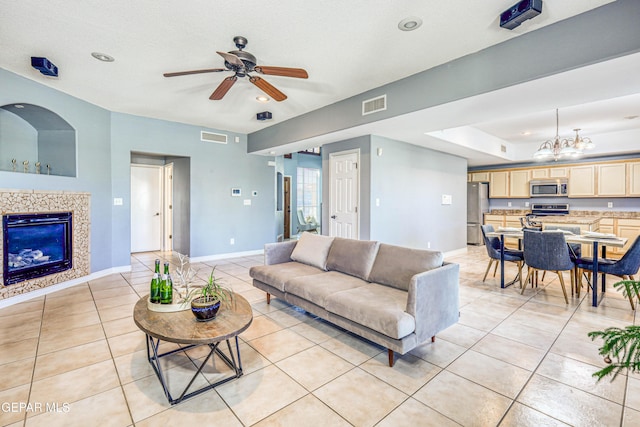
(218, 138)
(374, 105)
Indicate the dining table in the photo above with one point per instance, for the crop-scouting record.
(599, 242)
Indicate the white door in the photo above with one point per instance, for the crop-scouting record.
(168, 208)
(146, 208)
(344, 196)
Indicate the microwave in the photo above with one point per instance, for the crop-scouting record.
(548, 187)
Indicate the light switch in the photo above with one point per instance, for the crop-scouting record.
(117, 201)
(446, 199)
(247, 202)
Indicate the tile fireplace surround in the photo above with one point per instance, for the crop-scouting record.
(34, 201)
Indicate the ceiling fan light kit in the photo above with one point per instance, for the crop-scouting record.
(556, 148)
(241, 63)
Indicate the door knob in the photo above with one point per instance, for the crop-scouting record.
(333, 217)
(157, 214)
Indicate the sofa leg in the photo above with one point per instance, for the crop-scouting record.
(268, 298)
(390, 352)
(433, 338)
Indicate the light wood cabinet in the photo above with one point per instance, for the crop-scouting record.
(633, 179)
(582, 181)
(540, 173)
(629, 228)
(519, 184)
(612, 179)
(495, 220)
(558, 172)
(480, 176)
(499, 184)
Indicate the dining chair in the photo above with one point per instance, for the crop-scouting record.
(493, 250)
(575, 249)
(547, 251)
(626, 267)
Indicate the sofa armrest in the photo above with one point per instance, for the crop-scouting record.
(277, 253)
(433, 300)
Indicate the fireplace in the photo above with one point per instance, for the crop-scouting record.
(36, 245)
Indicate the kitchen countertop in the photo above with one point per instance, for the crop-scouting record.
(574, 215)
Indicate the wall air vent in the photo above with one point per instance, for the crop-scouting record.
(374, 105)
(503, 148)
(218, 138)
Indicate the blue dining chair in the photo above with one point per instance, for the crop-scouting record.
(575, 249)
(626, 267)
(547, 251)
(493, 250)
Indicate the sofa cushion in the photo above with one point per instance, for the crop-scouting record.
(395, 265)
(353, 257)
(277, 274)
(377, 307)
(317, 288)
(312, 249)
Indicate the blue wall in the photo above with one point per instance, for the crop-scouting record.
(105, 141)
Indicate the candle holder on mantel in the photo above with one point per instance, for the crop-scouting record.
(25, 165)
(13, 162)
(48, 169)
(37, 167)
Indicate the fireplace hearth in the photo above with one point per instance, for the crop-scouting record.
(36, 245)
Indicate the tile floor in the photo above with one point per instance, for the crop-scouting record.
(76, 358)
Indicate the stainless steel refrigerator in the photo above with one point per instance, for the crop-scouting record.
(477, 205)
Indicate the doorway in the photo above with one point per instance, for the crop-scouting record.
(151, 207)
(344, 194)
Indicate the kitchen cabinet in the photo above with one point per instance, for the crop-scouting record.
(480, 176)
(519, 183)
(499, 184)
(612, 179)
(582, 181)
(495, 220)
(629, 228)
(558, 172)
(633, 179)
(540, 173)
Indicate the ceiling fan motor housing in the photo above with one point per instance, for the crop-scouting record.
(247, 59)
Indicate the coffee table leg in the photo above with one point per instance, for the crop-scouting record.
(154, 359)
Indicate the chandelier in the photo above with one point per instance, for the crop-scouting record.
(558, 148)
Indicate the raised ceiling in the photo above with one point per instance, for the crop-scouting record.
(347, 48)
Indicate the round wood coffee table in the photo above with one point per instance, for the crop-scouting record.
(181, 327)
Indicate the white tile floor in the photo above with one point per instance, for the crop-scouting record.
(511, 360)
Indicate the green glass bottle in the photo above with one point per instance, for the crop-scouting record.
(166, 286)
(154, 295)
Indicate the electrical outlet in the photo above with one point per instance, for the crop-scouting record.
(117, 201)
(610, 204)
(232, 241)
(526, 204)
(428, 245)
(509, 204)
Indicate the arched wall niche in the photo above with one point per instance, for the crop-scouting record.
(34, 134)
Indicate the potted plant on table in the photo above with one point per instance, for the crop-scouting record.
(205, 307)
(623, 345)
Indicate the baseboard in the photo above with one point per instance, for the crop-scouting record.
(6, 302)
(456, 252)
(227, 255)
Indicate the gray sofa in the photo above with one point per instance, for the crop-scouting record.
(394, 296)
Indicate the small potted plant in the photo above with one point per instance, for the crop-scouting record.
(205, 307)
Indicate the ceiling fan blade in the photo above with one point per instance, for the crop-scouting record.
(268, 88)
(231, 58)
(184, 73)
(223, 88)
(282, 71)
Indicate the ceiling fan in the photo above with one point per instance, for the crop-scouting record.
(242, 63)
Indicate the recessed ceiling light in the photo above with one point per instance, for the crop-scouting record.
(102, 57)
(262, 98)
(273, 153)
(409, 24)
(526, 133)
(631, 117)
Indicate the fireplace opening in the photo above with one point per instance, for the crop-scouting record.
(36, 245)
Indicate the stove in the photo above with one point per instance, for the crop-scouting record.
(544, 209)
